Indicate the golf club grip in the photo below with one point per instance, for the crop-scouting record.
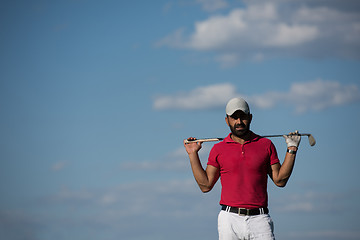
(204, 140)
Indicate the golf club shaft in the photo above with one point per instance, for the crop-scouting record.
(280, 135)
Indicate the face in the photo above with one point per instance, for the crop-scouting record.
(239, 123)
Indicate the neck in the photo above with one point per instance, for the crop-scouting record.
(241, 139)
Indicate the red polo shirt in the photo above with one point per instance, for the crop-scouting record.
(243, 170)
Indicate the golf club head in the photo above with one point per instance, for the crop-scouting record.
(312, 141)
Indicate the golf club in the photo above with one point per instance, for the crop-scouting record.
(312, 141)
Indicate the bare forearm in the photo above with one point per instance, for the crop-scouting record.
(286, 169)
(199, 173)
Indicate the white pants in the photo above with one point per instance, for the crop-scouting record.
(232, 226)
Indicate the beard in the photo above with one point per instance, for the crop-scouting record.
(240, 133)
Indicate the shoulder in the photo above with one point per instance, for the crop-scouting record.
(261, 140)
(220, 146)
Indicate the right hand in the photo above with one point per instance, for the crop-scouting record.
(192, 147)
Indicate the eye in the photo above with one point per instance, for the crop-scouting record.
(240, 114)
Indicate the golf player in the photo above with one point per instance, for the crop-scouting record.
(243, 161)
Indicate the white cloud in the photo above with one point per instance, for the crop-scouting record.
(305, 96)
(200, 98)
(125, 211)
(133, 199)
(314, 200)
(285, 35)
(315, 95)
(157, 210)
(228, 60)
(212, 5)
(288, 28)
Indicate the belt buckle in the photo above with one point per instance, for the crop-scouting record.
(243, 214)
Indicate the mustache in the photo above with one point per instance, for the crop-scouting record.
(239, 125)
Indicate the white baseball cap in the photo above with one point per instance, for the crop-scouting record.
(237, 104)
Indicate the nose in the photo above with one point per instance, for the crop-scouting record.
(237, 118)
(237, 121)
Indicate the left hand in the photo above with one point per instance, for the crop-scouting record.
(293, 139)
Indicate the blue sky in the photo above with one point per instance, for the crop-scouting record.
(96, 98)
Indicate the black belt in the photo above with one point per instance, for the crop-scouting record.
(245, 211)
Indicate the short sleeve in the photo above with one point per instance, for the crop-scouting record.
(273, 155)
(213, 158)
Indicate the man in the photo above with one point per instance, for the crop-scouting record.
(243, 160)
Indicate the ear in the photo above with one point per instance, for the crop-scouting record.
(227, 120)
(251, 117)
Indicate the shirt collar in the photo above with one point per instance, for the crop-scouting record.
(253, 137)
